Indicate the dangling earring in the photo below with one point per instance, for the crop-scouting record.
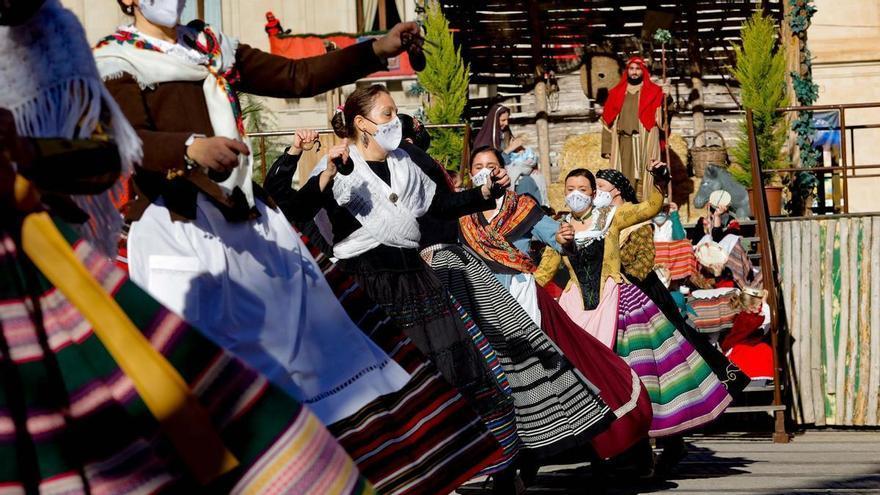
(126, 9)
(364, 139)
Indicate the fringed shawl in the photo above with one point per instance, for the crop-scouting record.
(493, 240)
(51, 85)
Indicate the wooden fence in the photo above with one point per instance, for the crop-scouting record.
(830, 273)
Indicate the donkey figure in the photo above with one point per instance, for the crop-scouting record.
(716, 178)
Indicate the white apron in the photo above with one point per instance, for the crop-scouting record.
(254, 288)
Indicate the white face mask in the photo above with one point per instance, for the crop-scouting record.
(389, 134)
(661, 219)
(578, 201)
(162, 12)
(603, 199)
(481, 177)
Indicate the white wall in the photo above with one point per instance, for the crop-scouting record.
(844, 38)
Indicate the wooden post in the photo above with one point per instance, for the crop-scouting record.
(543, 125)
(359, 8)
(860, 411)
(874, 378)
(816, 326)
(666, 123)
(383, 15)
(541, 107)
(791, 46)
(840, 379)
(770, 277)
(464, 167)
(696, 100)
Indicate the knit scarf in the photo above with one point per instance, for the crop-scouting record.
(199, 55)
(517, 213)
(51, 85)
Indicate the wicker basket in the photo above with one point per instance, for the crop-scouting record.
(703, 156)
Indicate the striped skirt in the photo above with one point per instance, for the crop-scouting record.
(440, 443)
(684, 391)
(556, 409)
(714, 314)
(677, 256)
(72, 422)
(439, 327)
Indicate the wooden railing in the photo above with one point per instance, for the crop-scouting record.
(848, 166)
(779, 335)
(260, 138)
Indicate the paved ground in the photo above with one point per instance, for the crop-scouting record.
(843, 462)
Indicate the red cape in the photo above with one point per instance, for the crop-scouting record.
(650, 97)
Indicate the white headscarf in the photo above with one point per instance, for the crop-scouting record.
(50, 83)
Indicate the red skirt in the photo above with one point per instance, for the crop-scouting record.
(618, 384)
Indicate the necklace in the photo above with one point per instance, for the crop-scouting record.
(583, 217)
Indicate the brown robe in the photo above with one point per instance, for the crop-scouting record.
(166, 115)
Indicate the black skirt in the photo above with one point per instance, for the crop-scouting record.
(400, 282)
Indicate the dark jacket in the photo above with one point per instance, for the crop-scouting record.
(167, 115)
(439, 225)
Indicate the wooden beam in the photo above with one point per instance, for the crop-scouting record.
(542, 109)
(359, 7)
(383, 15)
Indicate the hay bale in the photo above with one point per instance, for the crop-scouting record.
(585, 151)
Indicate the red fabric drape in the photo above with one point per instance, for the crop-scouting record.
(650, 97)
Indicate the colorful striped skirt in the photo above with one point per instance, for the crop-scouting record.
(72, 422)
(677, 256)
(440, 442)
(556, 409)
(713, 314)
(405, 288)
(684, 391)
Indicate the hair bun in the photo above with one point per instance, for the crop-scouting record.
(338, 124)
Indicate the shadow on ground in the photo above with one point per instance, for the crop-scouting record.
(580, 479)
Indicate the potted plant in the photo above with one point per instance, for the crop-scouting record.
(446, 81)
(760, 70)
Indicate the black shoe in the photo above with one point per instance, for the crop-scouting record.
(674, 450)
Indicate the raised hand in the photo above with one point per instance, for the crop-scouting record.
(303, 140)
(565, 234)
(392, 44)
(340, 151)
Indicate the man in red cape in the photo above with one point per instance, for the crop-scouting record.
(631, 134)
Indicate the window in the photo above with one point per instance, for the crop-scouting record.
(388, 16)
(210, 11)
(379, 15)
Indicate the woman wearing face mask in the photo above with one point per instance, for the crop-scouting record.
(374, 214)
(501, 237)
(684, 392)
(667, 225)
(520, 160)
(203, 235)
(549, 395)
